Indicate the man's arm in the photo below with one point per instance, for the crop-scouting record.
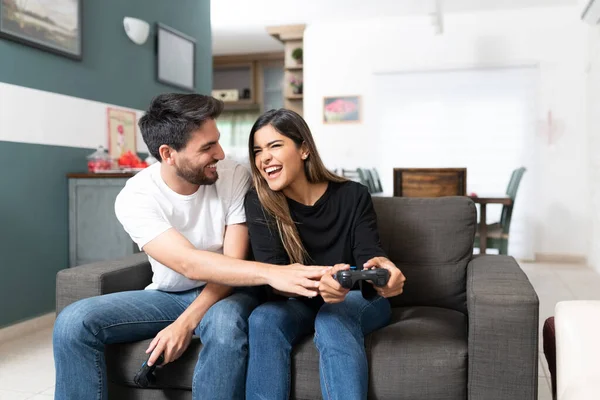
(174, 339)
(235, 245)
(172, 249)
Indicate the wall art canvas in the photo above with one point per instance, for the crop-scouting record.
(342, 109)
(50, 25)
(121, 132)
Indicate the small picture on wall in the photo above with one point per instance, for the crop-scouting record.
(50, 25)
(121, 132)
(342, 109)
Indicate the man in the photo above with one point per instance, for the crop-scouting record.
(186, 213)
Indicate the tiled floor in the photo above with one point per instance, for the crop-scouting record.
(27, 366)
(554, 283)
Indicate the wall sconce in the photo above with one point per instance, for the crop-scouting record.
(136, 29)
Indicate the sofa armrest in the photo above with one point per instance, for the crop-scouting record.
(130, 273)
(503, 313)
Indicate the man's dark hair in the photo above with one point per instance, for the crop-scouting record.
(172, 117)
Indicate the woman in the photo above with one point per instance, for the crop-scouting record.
(299, 212)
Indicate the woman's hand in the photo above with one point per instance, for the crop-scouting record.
(171, 342)
(395, 284)
(330, 289)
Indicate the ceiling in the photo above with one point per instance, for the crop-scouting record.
(238, 26)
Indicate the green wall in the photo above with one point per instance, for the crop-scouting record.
(34, 236)
(114, 69)
(33, 186)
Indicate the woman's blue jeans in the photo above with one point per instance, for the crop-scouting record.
(275, 327)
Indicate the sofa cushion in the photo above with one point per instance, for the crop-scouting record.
(423, 346)
(421, 355)
(426, 347)
(431, 241)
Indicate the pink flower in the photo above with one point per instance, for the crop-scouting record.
(120, 129)
(294, 81)
(341, 106)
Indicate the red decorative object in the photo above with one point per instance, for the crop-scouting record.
(99, 160)
(130, 160)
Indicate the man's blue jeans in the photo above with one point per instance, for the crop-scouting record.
(275, 327)
(83, 329)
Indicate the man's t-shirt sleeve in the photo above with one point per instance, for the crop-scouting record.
(240, 186)
(141, 216)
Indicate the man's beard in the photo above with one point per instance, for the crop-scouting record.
(195, 177)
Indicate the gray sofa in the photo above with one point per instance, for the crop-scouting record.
(465, 327)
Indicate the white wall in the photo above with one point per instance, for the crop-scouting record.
(342, 58)
(593, 76)
(39, 117)
(439, 118)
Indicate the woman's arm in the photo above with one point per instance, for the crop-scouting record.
(367, 247)
(365, 235)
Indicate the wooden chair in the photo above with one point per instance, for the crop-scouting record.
(430, 182)
(497, 233)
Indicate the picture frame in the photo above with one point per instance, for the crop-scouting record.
(171, 44)
(122, 131)
(54, 26)
(342, 109)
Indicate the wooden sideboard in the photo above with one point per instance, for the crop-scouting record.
(430, 182)
(95, 234)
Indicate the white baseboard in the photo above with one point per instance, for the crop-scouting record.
(560, 258)
(27, 327)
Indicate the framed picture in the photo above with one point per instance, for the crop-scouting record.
(175, 58)
(121, 131)
(50, 25)
(342, 109)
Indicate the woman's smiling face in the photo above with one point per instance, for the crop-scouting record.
(278, 159)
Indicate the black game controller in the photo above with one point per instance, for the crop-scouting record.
(145, 375)
(378, 276)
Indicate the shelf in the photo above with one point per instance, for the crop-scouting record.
(295, 97)
(294, 67)
(241, 106)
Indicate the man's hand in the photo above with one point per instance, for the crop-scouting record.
(330, 289)
(296, 278)
(171, 342)
(395, 284)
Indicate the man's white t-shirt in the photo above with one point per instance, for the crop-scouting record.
(147, 207)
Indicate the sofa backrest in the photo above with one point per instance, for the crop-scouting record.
(431, 241)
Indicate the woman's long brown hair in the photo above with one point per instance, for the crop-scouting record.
(289, 124)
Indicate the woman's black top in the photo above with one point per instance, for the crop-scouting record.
(341, 227)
